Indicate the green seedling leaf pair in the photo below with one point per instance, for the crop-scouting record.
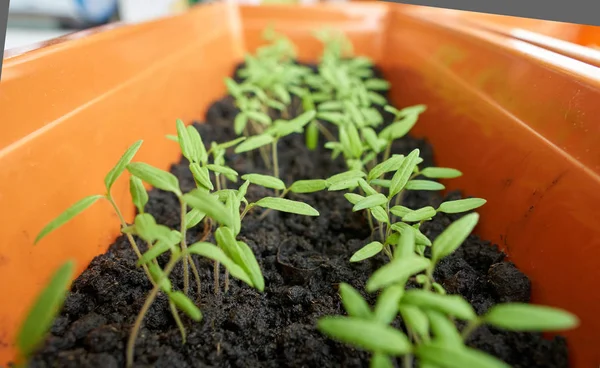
(88, 201)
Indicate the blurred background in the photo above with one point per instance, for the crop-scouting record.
(33, 21)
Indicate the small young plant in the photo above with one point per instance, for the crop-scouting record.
(430, 333)
(42, 313)
(279, 129)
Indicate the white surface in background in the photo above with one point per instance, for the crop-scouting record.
(18, 37)
(133, 11)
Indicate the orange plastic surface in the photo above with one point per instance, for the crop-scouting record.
(519, 120)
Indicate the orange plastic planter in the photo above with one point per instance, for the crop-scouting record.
(518, 119)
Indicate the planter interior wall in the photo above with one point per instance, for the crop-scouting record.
(518, 119)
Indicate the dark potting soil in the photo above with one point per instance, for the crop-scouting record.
(303, 261)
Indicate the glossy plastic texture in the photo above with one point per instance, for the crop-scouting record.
(69, 110)
(580, 34)
(577, 41)
(518, 119)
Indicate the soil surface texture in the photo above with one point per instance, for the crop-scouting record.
(303, 261)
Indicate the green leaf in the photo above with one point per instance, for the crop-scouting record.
(420, 238)
(172, 138)
(336, 118)
(365, 334)
(381, 182)
(157, 275)
(251, 266)
(308, 186)
(375, 84)
(266, 181)
(415, 319)
(453, 305)
(380, 214)
(386, 308)
(398, 129)
(528, 317)
(376, 98)
(369, 190)
(451, 357)
(370, 202)
(421, 214)
(400, 211)
(139, 196)
(367, 251)
(372, 140)
(406, 244)
(187, 148)
(67, 215)
(286, 205)
(440, 173)
(303, 119)
(438, 288)
(454, 235)
(411, 110)
(259, 117)
(354, 141)
(213, 252)
(146, 227)
(44, 309)
(391, 109)
(391, 164)
(240, 122)
(233, 88)
(186, 305)
(403, 174)
(158, 178)
(343, 185)
(443, 329)
(201, 175)
(330, 106)
(206, 203)
(353, 197)
(379, 360)
(397, 271)
(231, 143)
(222, 170)
(193, 218)
(424, 185)
(196, 141)
(254, 142)
(153, 253)
(243, 190)
(347, 175)
(461, 205)
(354, 304)
(118, 169)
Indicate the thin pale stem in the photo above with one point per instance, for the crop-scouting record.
(408, 361)
(246, 210)
(275, 161)
(177, 320)
(140, 318)
(196, 277)
(471, 327)
(216, 272)
(263, 152)
(186, 272)
(218, 181)
(226, 280)
(328, 135)
(370, 223)
(388, 151)
(129, 236)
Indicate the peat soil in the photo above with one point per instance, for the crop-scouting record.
(303, 261)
